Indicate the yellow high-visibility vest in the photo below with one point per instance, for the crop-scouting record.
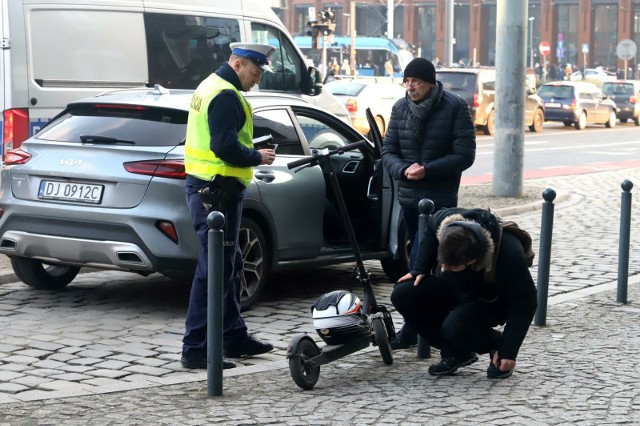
(199, 160)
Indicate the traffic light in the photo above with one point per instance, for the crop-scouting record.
(324, 26)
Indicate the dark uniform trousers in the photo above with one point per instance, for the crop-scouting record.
(234, 327)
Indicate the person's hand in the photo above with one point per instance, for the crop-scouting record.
(268, 155)
(505, 364)
(418, 280)
(405, 277)
(415, 171)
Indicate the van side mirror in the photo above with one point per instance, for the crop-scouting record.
(314, 86)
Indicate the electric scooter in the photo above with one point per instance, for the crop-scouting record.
(304, 355)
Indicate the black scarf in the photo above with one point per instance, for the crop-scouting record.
(418, 112)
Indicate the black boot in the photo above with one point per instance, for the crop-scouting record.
(405, 338)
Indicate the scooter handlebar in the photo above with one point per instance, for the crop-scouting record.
(341, 150)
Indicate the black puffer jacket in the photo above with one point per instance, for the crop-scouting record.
(447, 148)
(516, 293)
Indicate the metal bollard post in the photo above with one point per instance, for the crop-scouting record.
(623, 247)
(544, 256)
(425, 207)
(215, 278)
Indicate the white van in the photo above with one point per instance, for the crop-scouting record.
(57, 51)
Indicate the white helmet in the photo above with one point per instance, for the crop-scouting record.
(338, 317)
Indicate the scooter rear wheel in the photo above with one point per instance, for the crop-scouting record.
(382, 340)
(302, 372)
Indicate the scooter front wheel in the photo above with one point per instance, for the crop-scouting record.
(382, 341)
(303, 373)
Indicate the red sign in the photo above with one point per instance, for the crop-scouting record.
(544, 48)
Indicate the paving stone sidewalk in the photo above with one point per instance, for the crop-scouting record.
(124, 358)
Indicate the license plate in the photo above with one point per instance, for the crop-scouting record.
(552, 104)
(70, 191)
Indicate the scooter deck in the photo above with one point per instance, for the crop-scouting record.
(330, 353)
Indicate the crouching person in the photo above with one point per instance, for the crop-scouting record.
(482, 281)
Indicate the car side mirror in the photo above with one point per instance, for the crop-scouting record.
(315, 82)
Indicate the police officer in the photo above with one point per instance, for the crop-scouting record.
(219, 145)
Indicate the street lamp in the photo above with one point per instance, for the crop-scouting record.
(531, 19)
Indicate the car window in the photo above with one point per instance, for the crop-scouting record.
(183, 50)
(489, 85)
(556, 91)
(458, 82)
(617, 89)
(278, 124)
(344, 88)
(286, 64)
(118, 125)
(585, 95)
(320, 135)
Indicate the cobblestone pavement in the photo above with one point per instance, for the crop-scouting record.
(106, 350)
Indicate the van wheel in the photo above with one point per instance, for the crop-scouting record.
(538, 121)
(567, 123)
(43, 276)
(582, 121)
(611, 122)
(623, 120)
(255, 262)
(381, 126)
(395, 268)
(490, 127)
(636, 120)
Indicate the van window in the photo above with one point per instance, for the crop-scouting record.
(183, 50)
(285, 62)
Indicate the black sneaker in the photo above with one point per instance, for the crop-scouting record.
(250, 346)
(494, 372)
(200, 363)
(449, 365)
(404, 339)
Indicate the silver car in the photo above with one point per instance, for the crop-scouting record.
(102, 186)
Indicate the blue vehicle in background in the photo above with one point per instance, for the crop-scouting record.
(371, 53)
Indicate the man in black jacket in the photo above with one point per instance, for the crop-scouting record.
(456, 308)
(429, 143)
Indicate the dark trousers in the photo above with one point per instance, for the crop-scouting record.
(452, 324)
(234, 327)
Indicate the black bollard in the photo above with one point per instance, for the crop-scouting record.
(623, 247)
(425, 207)
(215, 278)
(544, 256)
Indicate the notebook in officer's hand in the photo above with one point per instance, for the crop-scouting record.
(264, 142)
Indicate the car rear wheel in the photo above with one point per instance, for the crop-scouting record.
(43, 276)
(636, 121)
(490, 127)
(538, 121)
(395, 268)
(611, 122)
(623, 120)
(582, 121)
(567, 123)
(255, 261)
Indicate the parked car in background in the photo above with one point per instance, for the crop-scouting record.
(359, 94)
(596, 76)
(626, 95)
(102, 186)
(577, 103)
(477, 86)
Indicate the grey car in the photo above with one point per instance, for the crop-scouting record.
(102, 186)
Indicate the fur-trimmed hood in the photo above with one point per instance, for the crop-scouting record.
(486, 263)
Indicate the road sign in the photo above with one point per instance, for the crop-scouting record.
(626, 49)
(544, 48)
(585, 47)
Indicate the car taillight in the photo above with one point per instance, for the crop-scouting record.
(632, 99)
(172, 169)
(16, 128)
(168, 230)
(573, 104)
(477, 100)
(16, 156)
(351, 105)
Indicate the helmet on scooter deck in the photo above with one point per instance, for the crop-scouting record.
(338, 317)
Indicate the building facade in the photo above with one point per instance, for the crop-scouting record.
(578, 32)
